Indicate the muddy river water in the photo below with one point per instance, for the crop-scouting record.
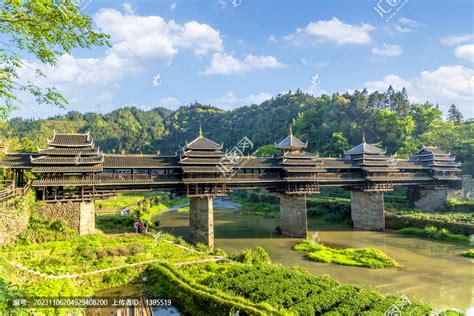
(434, 272)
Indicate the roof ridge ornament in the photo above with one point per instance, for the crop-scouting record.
(200, 130)
(363, 138)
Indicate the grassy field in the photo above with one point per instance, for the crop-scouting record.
(357, 257)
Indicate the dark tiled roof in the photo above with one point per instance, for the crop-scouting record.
(202, 142)
(302, 169)
(69, 151)
(203, 153)
(76, 160)
(66, 169)
(139, 161)
(202, 161)
(364, 148)
(259, 162)
(17, 160)
(202, 169)
(291, 142)
(70, 140)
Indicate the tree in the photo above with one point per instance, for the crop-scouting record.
(455, 115)
(46, 29)
(337, 145)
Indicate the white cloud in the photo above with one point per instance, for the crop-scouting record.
(408, 22)
(151, 37)
(445, 85)
(225, 64)
(465, 52)
(173, 6)
(127, 7)
(231, 101)
(170, 103)
(387, 50)
(457, 39)
(76, 72)
(381, 85)
(333, 30)
(272, 39)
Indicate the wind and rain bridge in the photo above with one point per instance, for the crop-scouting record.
(72, 172)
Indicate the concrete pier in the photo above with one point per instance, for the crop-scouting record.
(201, 220)
(293, 219)
(367, 210)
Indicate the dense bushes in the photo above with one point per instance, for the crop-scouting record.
(455, 205)
(294, 291)
(421, 220)
(432, 232)
(41, 229)
(359, 257)
(253, 256)
(115, 223)
(331, 209)
(196, 299)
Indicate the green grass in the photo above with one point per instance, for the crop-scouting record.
(468, 253)
(432, 232)
(358, 257)
(83, 254)
(456, 217)
(94, 252)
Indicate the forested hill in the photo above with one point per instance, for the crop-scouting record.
(331, 124)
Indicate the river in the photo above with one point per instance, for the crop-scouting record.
(434, 272)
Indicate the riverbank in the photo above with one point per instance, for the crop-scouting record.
(428, 266)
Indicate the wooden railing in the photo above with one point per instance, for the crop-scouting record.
(7, 190)
(107, 178)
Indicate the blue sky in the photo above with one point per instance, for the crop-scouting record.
(234, 52)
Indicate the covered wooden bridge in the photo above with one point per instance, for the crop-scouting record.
(73, 169)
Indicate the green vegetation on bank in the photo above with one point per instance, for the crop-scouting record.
(432, 232)
(456, 205)
(468, 253)
(93, 252)
(358, 257)
(284, 291)
(445, 216)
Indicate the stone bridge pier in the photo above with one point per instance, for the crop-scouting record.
(367, 210)
(432, 199)
(79, 216)
(201, 220)
(293, 218)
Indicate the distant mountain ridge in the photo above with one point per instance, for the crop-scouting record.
(331, 124)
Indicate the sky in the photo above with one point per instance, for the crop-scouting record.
(230, 53)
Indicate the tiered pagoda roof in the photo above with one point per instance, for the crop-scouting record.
(370, 158)
(68, 153)
(437, 159)
(202, 155)
(294, 159)
(291, 144)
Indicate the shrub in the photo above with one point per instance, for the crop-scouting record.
(253, 256)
